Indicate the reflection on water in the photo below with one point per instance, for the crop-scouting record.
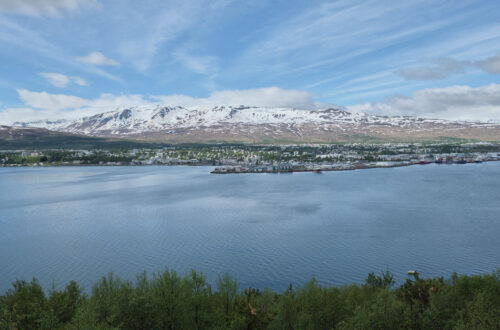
(265, 229)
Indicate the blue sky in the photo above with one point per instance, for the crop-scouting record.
(69, 58)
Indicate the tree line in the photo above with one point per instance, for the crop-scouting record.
(170, 301)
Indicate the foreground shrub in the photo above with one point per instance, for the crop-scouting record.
(170, 301)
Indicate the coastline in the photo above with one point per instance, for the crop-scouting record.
(328, 168)
(242, 170)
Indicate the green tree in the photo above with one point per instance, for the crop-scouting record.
(24, 305)
(385, 281)
(226, 296)
(168, 296)
(199, 295)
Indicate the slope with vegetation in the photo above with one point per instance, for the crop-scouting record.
(12, 137)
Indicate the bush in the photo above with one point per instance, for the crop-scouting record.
(170, 301)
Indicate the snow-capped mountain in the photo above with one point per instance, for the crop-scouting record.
(259, 123)
(48, 124)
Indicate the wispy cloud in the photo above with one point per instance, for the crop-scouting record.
(18, 35)
(97, 58)
(329, 44)
(332, 33)
(162, 26)
(60, 80)
(51, 8)
(199, 64)
(343, 51)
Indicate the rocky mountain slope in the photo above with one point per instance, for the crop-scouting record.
(257, 124)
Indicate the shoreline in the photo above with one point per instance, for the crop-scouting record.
(333, 169)
(235, 170)
(314, 170)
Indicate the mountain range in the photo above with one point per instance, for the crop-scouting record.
(260, 124)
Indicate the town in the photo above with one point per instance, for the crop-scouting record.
(234, 158)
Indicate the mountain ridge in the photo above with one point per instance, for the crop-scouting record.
(255, 124)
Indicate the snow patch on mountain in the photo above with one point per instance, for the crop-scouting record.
(146, 119)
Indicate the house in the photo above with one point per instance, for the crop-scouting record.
(285, 167)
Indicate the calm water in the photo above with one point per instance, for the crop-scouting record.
(267, 230)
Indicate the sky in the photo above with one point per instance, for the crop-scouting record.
(71, 58)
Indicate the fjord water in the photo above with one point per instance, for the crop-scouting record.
(267, 230)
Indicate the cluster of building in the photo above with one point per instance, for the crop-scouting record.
(265, 158)
(381, 161)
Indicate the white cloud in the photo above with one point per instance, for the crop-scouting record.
(51, 8)
(105, 102)
(445, 67)
(43, 105)
(490, 64)
(11, 115)
(61, 81)
(56, 79)
(441, 68)
(97, 58)
(455, 103)
(79, 81)
(44, 100)
(108, 101)
(266, 97)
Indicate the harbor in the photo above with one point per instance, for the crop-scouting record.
(344, 166)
